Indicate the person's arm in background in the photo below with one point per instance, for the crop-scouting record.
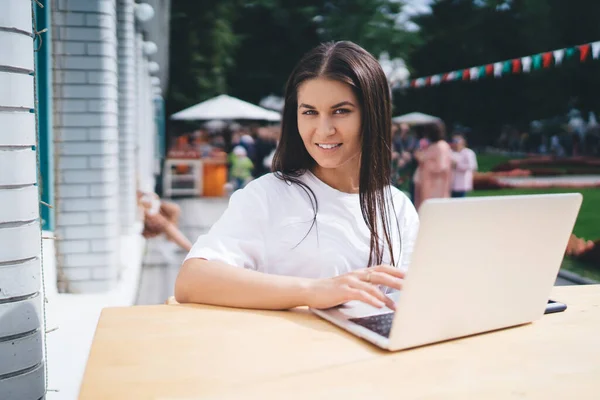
(463, 162)
(577, 246)
(473, 160)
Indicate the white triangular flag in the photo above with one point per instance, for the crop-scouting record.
(451, 76)
(420, 82)
(498, 69)
(558, 56)
(526, 62)
(474, 73)
(596, 49)
(435, 80)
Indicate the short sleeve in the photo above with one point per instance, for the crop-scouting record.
(409, 228)
(238, 237)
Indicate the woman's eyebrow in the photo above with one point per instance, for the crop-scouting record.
(343, 103)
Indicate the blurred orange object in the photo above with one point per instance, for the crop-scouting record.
(214, 178)
(182, 169)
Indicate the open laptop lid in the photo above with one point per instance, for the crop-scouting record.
(482, 263)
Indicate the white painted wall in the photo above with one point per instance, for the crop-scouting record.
(21, 327)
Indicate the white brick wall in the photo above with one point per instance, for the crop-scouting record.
(127, 101)
(20, 241)
(146, 128)
(87, 143)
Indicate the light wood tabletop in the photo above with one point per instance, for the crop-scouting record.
(201, 352)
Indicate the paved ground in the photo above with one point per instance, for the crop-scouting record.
(162, 259)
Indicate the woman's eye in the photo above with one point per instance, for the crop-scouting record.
(341, 111)
(309, 112)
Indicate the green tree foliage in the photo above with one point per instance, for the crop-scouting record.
(202, 49)
(248, 48)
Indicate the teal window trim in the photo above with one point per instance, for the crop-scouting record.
(159, 119)
(43, 67)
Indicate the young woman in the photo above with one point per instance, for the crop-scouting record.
(433, 177)
(326, 227)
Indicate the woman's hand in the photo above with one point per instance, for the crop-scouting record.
(357, 285)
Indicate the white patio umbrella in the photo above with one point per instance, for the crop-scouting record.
(225, 107)
(416, 118)
(215, 124)
(272, 102)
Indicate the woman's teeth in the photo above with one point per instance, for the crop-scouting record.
(328, 146)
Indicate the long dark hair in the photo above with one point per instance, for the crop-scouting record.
(348, 63)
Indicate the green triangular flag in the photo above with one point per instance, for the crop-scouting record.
(537, 61)
(570, 52)
(482, 72)
(459, 75)
(506, 68)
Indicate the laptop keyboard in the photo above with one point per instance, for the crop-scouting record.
(381, 324)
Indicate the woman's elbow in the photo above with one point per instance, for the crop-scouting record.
(183, 282)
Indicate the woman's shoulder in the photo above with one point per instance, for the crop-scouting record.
(403, 206)
(399, 197)
(267, 182)
(269, 186)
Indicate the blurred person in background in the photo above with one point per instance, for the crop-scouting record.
(241, 167)
(433, 177)
(401, 155)
(465, 165)
(161, 217)
(264, 144)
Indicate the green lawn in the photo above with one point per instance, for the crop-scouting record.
(588, 220)
(486, 162)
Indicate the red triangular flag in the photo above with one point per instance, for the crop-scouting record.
(516, 65)
(489, 69)
(547, 57)
(445, 77)
(413, 83)
(466, 75)
(428, 81)
(584, 50)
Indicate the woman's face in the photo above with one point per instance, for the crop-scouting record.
(329, 122)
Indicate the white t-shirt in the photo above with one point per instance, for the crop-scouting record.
(267, 228)
(465, 164)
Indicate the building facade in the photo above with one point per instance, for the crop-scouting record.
(79, 84)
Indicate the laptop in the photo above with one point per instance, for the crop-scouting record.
(479, 264)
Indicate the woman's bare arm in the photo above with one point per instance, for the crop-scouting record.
(217, 283)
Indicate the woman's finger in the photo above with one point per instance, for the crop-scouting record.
(381, 278)
(389, 270)
(373, 291)
(361, 295)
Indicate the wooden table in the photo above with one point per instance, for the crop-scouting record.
(196, 352)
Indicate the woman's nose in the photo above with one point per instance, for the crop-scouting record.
(325, 126)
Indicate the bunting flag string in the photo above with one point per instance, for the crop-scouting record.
(514, 66)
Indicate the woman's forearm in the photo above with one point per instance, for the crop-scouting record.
(216, 283)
